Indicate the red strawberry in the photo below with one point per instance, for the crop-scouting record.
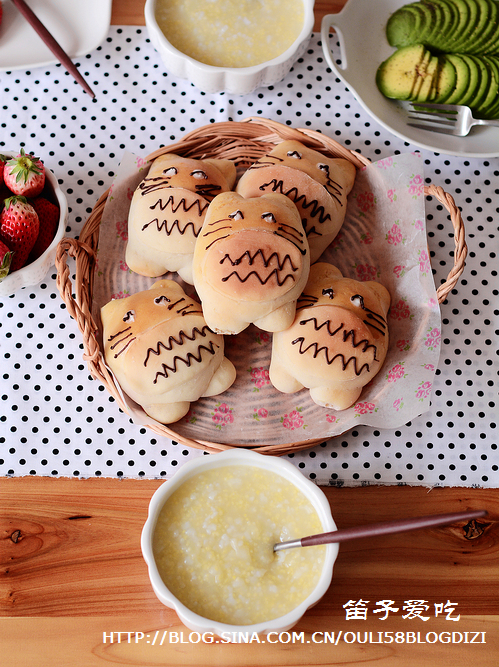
(24, 175)
(5, 260)
(48, 215)
(19, 226)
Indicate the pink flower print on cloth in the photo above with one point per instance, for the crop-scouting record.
(365, 409)
(366, 238)
(222, 415)
(262, 337)
(293, 420)
(259, 377)
(416, 186)
(418, 225)
(424, 262)
(398, 404)
(433, 338)
(392, 195)
(400, 311)
(385, 163)
(394, 235)
(260, 413)
(365, 272)
(397, 372)
(120, 295)
(190, 417)
(403, 345)
(365, 201)
(423, 391)
(122, 230)
(332, 419)
(399, 271)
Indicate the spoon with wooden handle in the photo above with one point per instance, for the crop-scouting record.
(384, 528)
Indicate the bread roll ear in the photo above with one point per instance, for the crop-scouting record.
(337, 342)
(167, 212)
(318, 185)
(162, 352)
(251, 262)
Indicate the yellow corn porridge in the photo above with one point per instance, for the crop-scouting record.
(231, 33)
(213, 545)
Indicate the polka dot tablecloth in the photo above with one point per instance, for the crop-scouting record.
(55, 420)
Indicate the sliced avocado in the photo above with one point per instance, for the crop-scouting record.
(485, 81)
(404, 25)
(490, 10)
(475, 33)
(467, 28)
(492, 96)
(445, 17)
(474, 82)
(396, 75)
(462, 78)
(491, 45)
(427, 89)
(420, 74)
(446, 79)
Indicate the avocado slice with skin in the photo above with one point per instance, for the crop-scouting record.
(405, 24)
(492, 96)
(462, 78)
(461, 38)
(474, 82)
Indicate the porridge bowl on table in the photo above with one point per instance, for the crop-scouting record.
(208, 543)
(232, 46)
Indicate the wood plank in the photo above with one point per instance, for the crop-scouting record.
(79, 642)
(131, 12)
(72, 547)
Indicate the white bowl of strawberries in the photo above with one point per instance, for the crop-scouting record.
(33, 218)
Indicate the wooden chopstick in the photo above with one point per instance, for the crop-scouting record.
(52, 44)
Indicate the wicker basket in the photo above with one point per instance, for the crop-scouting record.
(243, 142)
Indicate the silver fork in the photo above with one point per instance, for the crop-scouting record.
(447, 118)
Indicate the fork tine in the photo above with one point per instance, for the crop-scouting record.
(430, 118)
(442, 129)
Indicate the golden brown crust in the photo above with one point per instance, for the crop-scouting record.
(161, 350)
(250, 260)
(338, 340)
(319, 186)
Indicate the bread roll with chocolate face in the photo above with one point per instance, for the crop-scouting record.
(319, 186)
(337, 342)
(162, 352)
(167, 212)
(251, 262)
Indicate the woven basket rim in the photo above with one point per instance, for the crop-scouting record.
(243, 142)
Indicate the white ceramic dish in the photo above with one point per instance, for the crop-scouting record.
(79, 27)
(360, 28)
(34, 273)
(234, 80)
(238, 457)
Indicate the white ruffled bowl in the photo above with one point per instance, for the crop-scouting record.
(234, 80)
(276, 465)
(33, 274)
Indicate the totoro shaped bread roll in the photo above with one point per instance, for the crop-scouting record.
(162, 352)
(319, 186)
(251, 262)
(167, 212)
(337, 342)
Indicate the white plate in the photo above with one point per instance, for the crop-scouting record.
(78, 26)
(360, 28)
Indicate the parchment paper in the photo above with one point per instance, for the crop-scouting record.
(383, 238)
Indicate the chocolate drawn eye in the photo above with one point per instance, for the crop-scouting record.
(294, 154)
(161, 300)
(323, 167)
(237, 215)
(199, 173)
(328, 291)
(130, 316)
(268, 217)
(357, 300)
(171, 171)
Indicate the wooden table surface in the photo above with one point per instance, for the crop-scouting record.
(72, 576)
